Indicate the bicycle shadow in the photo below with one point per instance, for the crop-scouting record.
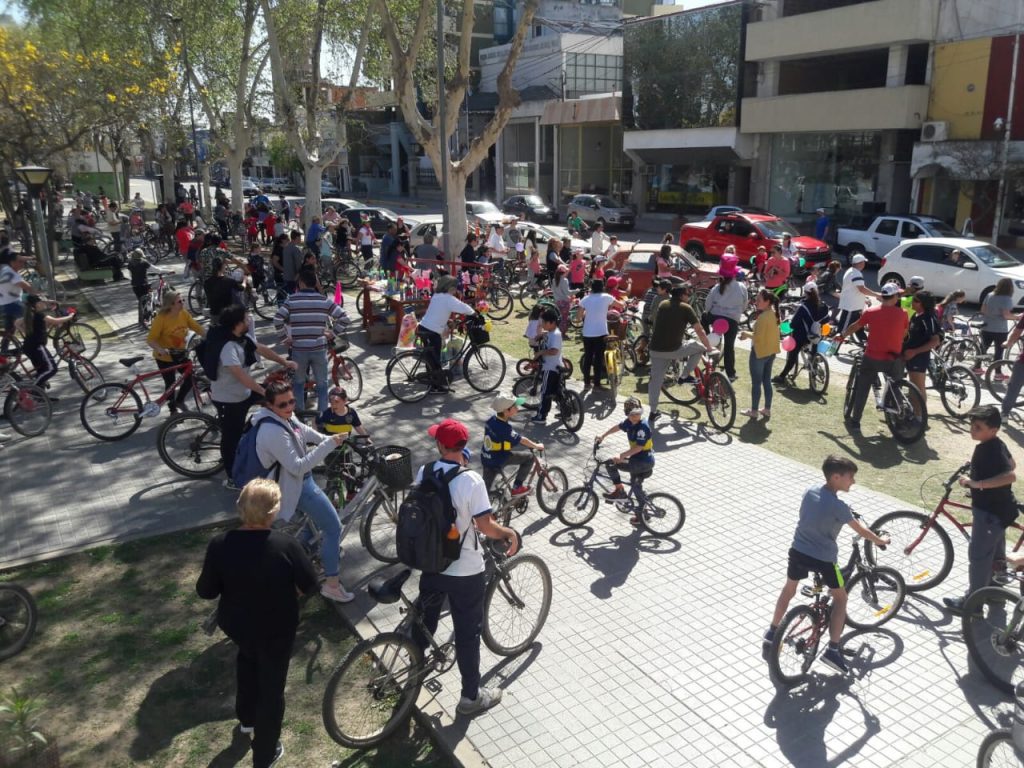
(800, 396)
(685, 432)
(881, 451)
(615, 558)
(954, 424)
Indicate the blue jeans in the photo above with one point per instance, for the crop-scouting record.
(761, 379)
(318, 360)
(314, 503)
(1013, 389)
(988, 544)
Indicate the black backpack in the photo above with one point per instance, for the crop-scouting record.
(425, 520)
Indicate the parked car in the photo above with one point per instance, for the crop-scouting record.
(602, 209)
(250, 188)
(876, 237)
(380, 218)
(340, 203)
(980, 267)
(746, 231)
(721, 210)
(483, 213)
(529, 208)
(328, 188)
(431, 224)
(640, 266)
(547, 231)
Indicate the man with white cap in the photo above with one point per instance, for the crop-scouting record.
(500, 442)
(853, 295)
(821, 224)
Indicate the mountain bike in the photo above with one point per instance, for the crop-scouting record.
(875, 595)
(902, 404)
(568, 405)
(18, 617)
(993, 627)
(551, 483)
(816, 365)
(957, 385)
(26, 405)
(660, 514)
(997, 377)
(921, 549)
(1005, 747)
(410, 377)
(372, 692)
(709, 385)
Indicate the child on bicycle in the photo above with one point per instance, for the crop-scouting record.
(37, 325)
(822, 516)
(339, 418)
(500, 440)
(639, 458)
(550, 359)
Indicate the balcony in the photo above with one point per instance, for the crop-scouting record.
(867, 109)
(857, 27)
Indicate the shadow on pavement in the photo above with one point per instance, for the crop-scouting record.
(881, 451)
(615, 558)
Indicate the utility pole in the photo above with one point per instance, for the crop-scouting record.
(1007, 131)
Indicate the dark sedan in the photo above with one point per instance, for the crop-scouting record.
(529, 208)
(380, 218)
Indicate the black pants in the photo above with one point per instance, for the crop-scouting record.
(551, 386)
(866, 376)
(729, 351)
(262, 670)
(367, 253)
(170, 376)
(432, 355)
(848, 317)
(593, 357)
(989, 338)
(634, 466)
(524, 460)
(97, 259)
(466, 600)
(231, 417)
(792, 358)
(43, 363)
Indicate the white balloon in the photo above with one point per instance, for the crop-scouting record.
(714, 339)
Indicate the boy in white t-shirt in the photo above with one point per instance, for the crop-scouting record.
(550, 359)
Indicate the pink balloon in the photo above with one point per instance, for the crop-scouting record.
(789, 343)
(721, 325)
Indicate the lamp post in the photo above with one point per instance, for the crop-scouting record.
(203, 194)
(35, 177)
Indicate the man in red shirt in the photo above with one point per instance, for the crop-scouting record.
(887, 326)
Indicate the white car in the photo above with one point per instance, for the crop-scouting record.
(484, 213)
(980, 267)
(250, 187)
(433, 224)
(547, 231)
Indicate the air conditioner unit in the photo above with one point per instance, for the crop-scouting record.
(936, 130)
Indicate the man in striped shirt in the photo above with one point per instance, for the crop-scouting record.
(307, 314)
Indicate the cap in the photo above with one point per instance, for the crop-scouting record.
(811, 287)
(891, 289)
(916, 282)
(819, 210)
(504, 402)
(449, 433)
(612, 282)
(858, 258)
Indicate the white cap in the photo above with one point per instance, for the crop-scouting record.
(858, 258)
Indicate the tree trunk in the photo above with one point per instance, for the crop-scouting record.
(167, 165)
(204, 192)
(235, 159)
(313, 173)
(126, 174)
(457, 219)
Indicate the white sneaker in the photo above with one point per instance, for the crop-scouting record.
(337, 593)
(750, 413)
(485, 699)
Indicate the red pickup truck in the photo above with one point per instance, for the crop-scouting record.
(746, 231)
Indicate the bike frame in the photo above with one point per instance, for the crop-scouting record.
(599, 477)
(186, 368)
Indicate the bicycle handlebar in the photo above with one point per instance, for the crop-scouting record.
(951, 481)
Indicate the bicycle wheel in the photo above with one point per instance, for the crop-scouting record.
(997, 377)
(960, 351)
(875, 595)
(189, 443)
(484, 368)
(681, 393)
(570, 411)
(407, 376)
(85, 339)
(347, 273)
(998, 751)
(611, 367)
(641, 352)
(960, 391)
(629, 362)
(263, 302)
(516, 604)
(526, 366)
(528, 295)
(720, 401)
(794, 647)
(111, 411)
(143, 311)
(551, 485)
(196, 299)
(931, 552)
(661, 515)
(373, 690)
(346, 374)
(994, 634)
(527, 388)
(577, 506)
(84, 373)
(499, 302)
(377, 531)
(18, 616)
(28, 409)
(818, 373)
(905, 412)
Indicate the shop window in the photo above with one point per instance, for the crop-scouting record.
(837, 72)
(917, 64)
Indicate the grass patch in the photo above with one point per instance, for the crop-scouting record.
(129, 679)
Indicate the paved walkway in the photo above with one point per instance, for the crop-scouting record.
(651, 653)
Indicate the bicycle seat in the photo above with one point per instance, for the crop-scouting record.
(388, 590)
(128, 362)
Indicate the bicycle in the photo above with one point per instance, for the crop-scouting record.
(957, 385)
(1005, 747)
(659, 513)
(551, 483)
(710, 386)
(816, 365)
(372, 692)
(18, 618)
(875, 595)
(997, 378)
(993, 627)
(568, 403)
(922, 559)
(114, 411)
(26, 406)
(613, 364)
(150, 303)
(85, 339)
(410, 377)
(902, 404)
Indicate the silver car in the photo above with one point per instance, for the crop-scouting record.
(594, 209)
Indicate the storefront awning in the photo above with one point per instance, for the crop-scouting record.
(689, 146)
(605, 109)
(963, 160)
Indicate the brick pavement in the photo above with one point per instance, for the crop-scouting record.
(651, 653)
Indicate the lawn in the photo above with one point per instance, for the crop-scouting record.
(128, 678)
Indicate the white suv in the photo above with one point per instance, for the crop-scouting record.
(979, 268)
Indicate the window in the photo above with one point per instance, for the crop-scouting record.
(887, 227)
(640, 260)
(742, 229)
(587, 73)
(911, 231)
(933, 254)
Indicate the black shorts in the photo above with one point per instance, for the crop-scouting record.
(800, 565)
(918, 363)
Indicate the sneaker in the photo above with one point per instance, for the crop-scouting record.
(834, 658)
(618, 493)
(732, 376)
(766, 414)
(519, 490)
(230, 485)
(278, 754)
(485, 699)
(852, 426)
(337, 593)
(538, 419)
(750, 413)
(5, 436)
(955, 605)
(655, 415)
(686, 380)
(766, 643)
(780, 380)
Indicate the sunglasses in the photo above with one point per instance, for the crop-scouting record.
(285, 403)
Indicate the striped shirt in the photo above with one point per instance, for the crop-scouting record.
(307, 314)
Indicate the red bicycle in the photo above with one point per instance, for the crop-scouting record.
(709, 386)
(921, 549)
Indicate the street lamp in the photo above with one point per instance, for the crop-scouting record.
(191, 108)
(35, 177)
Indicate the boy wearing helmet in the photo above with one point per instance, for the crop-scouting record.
(639, 458)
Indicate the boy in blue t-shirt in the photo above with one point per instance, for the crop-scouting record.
(339, 417)
(639, 458)
(500, 440)
(822, 516)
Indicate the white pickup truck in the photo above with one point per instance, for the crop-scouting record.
(883, 233)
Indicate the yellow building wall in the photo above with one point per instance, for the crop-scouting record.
(959, 78)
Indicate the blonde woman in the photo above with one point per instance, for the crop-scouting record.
(167, 335)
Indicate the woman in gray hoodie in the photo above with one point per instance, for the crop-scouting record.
(727, 301)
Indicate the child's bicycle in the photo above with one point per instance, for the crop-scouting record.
(372, 692)
(1005, 747)
(902, 404)
(568, 405)
(814, 359)
(551, 483)
(875, 594)
(659, 513)
(711, 387)
(614, 365)
(26, 407)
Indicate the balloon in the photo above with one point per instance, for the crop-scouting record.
(714, 339)
(826, 329)
(721, 325)
(789, 343)
(802, 262)
(785, 327)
